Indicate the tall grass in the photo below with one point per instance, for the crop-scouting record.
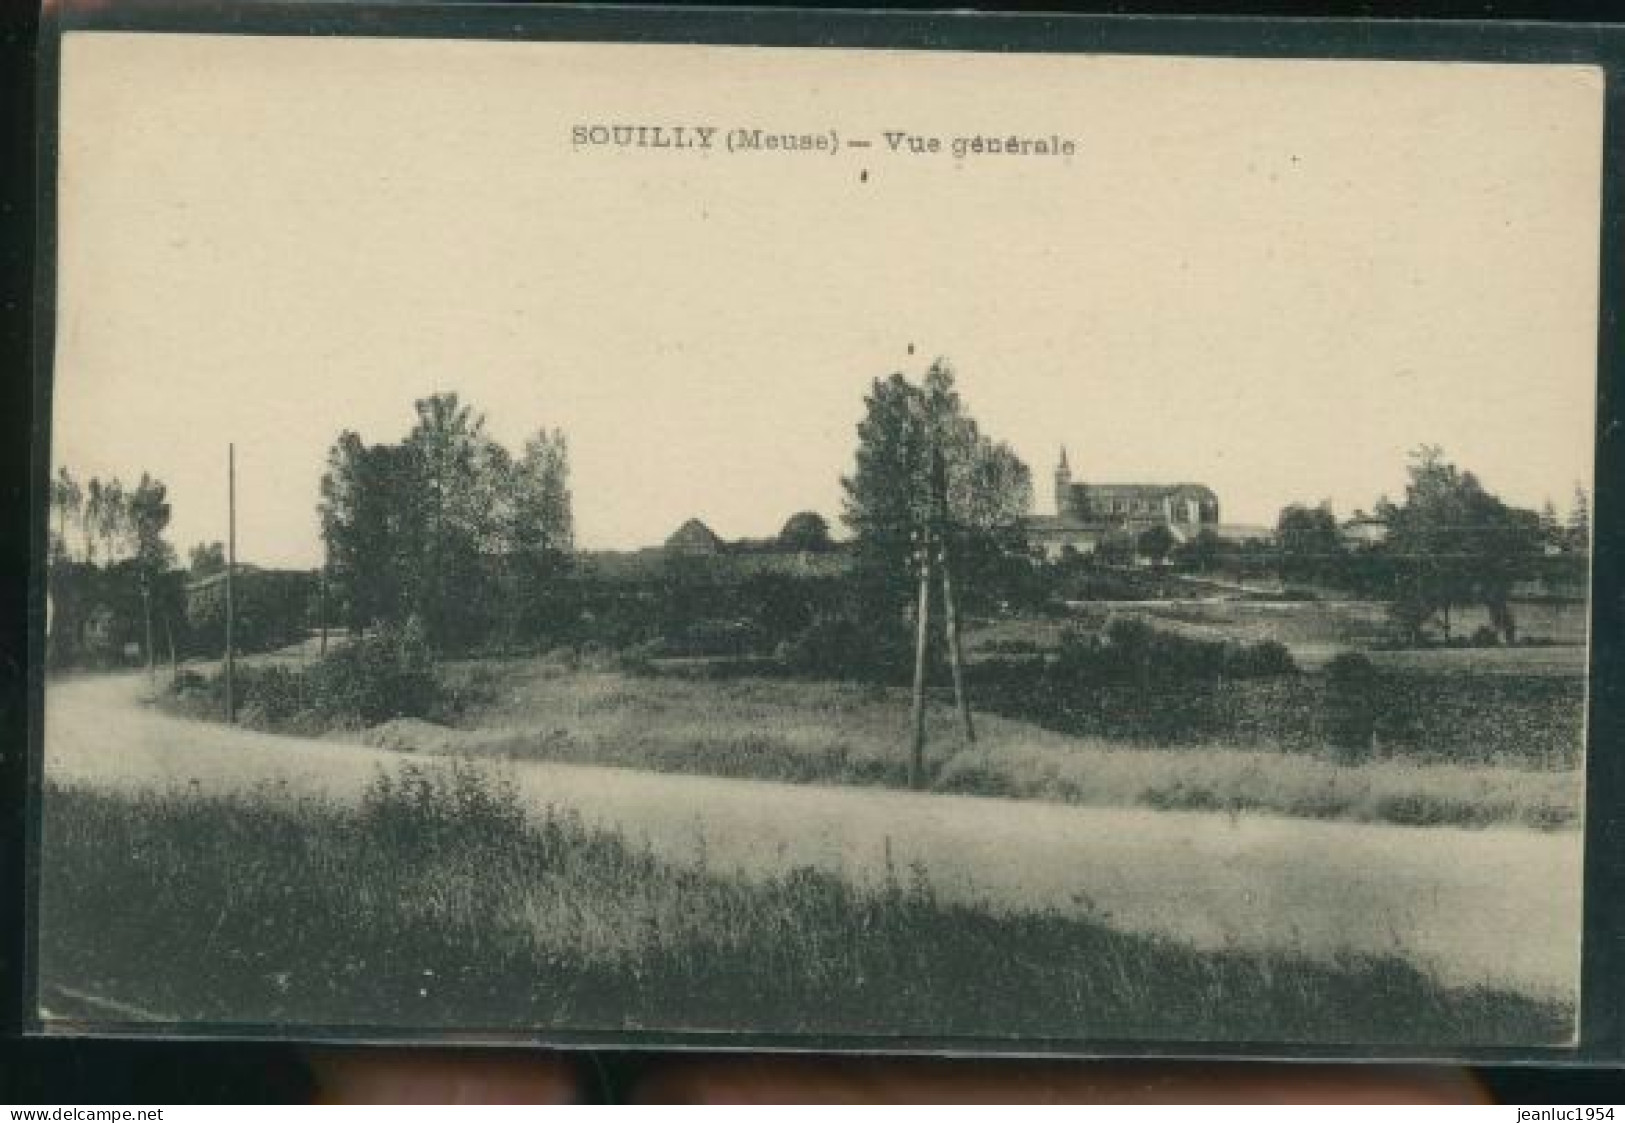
(436, 902)
(807, 732)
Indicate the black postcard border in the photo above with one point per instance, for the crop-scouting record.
(1602, 1006)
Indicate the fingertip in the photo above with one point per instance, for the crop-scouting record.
(403, 1076)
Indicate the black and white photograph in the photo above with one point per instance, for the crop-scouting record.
(812, 543)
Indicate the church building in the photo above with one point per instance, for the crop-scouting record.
(1087, 513)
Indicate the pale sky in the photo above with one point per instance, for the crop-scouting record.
(1274, 278)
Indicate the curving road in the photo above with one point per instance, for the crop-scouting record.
(1499, 906)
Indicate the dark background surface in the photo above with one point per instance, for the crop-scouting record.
(40, 1071)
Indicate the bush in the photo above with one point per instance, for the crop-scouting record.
(363, 683)
(377, 678)
(715, 638)
(1135, 651)
(842, 648)
(1263, 659)
(1349, 713)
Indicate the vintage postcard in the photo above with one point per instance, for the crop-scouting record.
(728, 542)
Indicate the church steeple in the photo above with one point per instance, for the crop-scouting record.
(1063, 485)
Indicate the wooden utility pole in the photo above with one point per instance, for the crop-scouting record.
(321, 604)
(934, 553)
(950, 605)
(146, 612)
(956, 657)
(231, 567)
(916, 759)
(174, 666)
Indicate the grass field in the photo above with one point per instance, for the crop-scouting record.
(438, 902)
(842, 733)
(1313, 630)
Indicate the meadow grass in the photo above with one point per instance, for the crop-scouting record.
(818, 732)
(436, 902)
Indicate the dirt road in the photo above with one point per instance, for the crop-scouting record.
(1498, 906)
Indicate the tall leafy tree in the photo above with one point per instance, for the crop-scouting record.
(93, 518)
(111, 518)
(1551, 529)
(67, 510)
(542, 522)
(457, 471)
(372, 523)
(538, 533)
(1453, 543)
(1155, 543)
(1579, 525)
(446, 526)
(1310, 544)
(205, 559)
(891, 493)
(146, 518)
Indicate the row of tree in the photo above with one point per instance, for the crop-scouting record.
(106, 548)
(104, 522)
(1448, 543)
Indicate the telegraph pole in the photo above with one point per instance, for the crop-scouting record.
(933, 551)
(956, 656)
(916, 760)
(950, 606)
(321, 603)
(231, 566)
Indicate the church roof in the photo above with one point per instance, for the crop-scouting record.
(1146, 491)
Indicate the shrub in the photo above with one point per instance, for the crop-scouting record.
(843, 648)
(1260, 660)
(368, 681)
(1350, 666)
(1349, 713)
(377, 678)
(271, 696)
(1136, 651)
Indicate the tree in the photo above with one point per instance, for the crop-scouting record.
(374, 528)
(447, 527)
(111, 518)
(372, 525)
(539, 533)
(1310, 545)
(91, 522)
(67, 504)
(1453, 543)
(145, 518)
(542, 520)
(1154, 543)
(1202, 552)
(1579, 526)
(206, 559)
(986, 492)
(447, 449)
(1116, 547)
(805, 532)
